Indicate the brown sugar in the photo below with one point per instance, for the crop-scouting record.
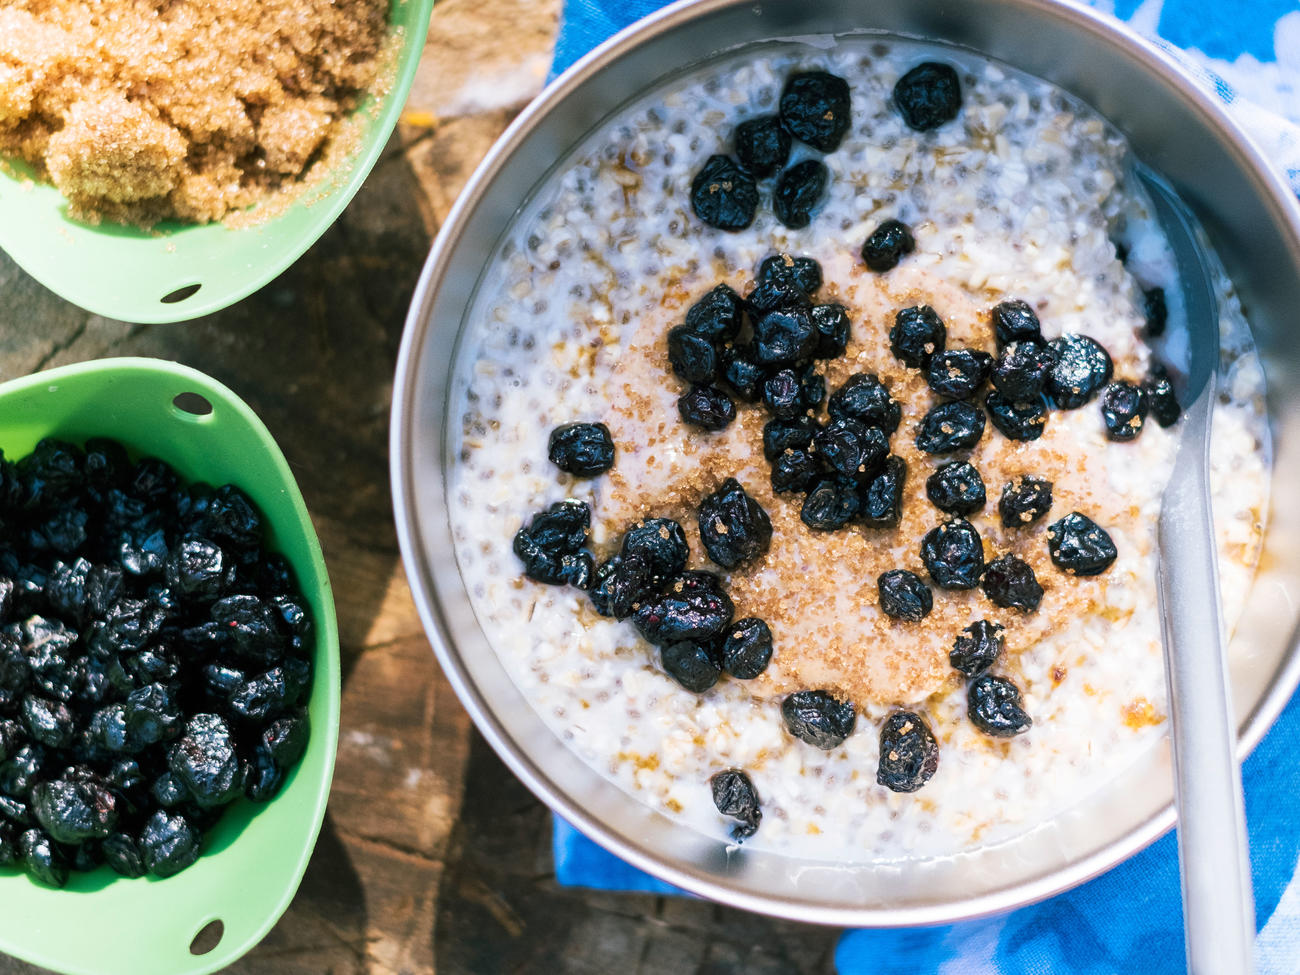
(145, 110)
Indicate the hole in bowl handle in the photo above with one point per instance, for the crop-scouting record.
(180, 294)
(192, 404)
(208, 937)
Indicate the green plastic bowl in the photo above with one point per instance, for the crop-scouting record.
(254, 858)
(177, 271)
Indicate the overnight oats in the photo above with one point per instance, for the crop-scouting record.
(809, 438)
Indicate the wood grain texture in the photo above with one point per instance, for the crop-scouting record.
(433, 857)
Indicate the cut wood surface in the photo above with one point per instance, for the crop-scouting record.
(433, 858)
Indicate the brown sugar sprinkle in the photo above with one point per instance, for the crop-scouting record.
(817, 590)
(1140, 713)
(145, 110)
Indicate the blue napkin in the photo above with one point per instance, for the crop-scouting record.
(1130, 919)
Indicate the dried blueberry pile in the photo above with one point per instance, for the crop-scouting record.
(815, 109)
(155, 661)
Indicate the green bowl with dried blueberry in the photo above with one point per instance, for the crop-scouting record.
(169, 677)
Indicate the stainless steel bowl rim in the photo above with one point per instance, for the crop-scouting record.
(1273, 189)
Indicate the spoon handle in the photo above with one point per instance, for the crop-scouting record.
(1218, 902)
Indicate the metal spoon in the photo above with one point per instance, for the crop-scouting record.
(1218, 902)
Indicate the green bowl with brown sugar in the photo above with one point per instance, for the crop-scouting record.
(175, 272)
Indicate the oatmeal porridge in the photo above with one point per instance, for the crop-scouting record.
(1016, 207)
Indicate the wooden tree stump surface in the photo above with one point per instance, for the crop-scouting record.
(433, 858)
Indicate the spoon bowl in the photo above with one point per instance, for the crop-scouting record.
(176, 271)
(254, 859)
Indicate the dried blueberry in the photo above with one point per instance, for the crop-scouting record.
(815, 108)
(733, 526)
(231, 517)
(50, 723)
(694, 608)
(41, 859)
(917, 334)
(783, 394)
(1009, 582)
(950, 426)
(882, 502)
(747, 649)
(903, 596)
(782, 435)
(953, 554)
(262, 776)
(1124, 410)
(260, 698)
(204, 761)
(928, 96)
(286, 738)
(168, 844)
(1161, 398)
(72, 812)
(550, 535)
(1156, 311)
(1082, 368)
(619, 584)
(106, 463)
(864, 398)
(852, 449)
(717, 316)
(253, 625)
(168, 791)
(794, 471)
(1079, 546)
(812, 388)
(909, 755)
(785, 336)
(887, 245)
(691, 664)
(706, 407)
(692, 356)
(831, 504)
(956, 488)
(122, 854)
(723, 195)
(734, 796)
(762, 145)
(1017, 420)
(958, 373)
(773, 293)
(152, 714)
(50, 472)
(817, 718)
(742, 372)
(1022, 369)
(585, 449)
(977, 647)
(1015, 321)
(995, 707)
(1024, 501)
(660, 543)
(798, 191)
(833, 330)
(197, 568)
(141, 551)
(803, 273)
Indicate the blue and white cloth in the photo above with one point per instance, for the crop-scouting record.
(1128, 920)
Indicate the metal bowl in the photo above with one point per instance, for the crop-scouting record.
(1174, 126)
